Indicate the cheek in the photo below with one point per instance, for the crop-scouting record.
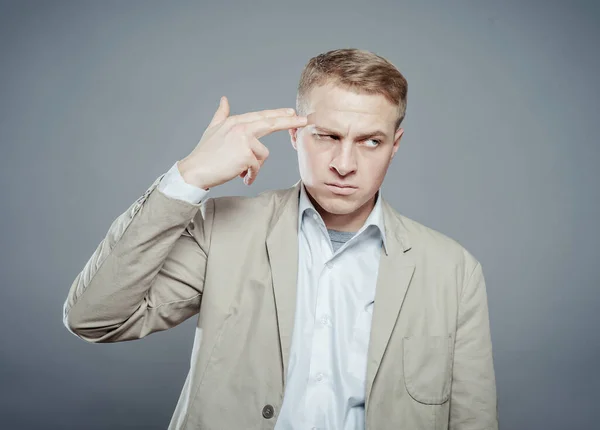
(312, 156)
(377, 169)
(306, 162)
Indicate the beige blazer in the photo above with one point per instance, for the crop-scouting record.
(233, 262)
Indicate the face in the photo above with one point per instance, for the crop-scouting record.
(344, 152)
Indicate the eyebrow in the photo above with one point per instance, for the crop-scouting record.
(360, 136)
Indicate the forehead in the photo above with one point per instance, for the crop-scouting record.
(331, 106)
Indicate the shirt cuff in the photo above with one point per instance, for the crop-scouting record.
(173, 185)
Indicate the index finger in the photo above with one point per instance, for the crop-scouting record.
(266, 126)
(258, 115)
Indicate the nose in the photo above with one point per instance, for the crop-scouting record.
(344, 161)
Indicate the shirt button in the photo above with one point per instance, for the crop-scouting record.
(319, 377)
(329, 264)
(268, 411)
(325, 320)
(315, 216)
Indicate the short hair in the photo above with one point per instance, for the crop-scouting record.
(357, 70)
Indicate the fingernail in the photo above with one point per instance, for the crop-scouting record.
(290, 111)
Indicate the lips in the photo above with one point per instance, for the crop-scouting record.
(341, 189)
(335, 184)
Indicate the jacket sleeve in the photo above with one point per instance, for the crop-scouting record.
(473, 402)
(147, 274)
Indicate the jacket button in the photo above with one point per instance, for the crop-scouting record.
(191, 225)
(268, 411)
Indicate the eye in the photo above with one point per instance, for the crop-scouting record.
(375, 142)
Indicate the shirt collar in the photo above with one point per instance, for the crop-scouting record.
(375, 218)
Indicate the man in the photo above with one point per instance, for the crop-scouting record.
(319, 306)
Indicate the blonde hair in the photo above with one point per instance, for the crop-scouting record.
(357, 70)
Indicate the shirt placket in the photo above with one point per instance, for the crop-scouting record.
(319, 387)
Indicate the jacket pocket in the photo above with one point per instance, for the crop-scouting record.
(428, 368)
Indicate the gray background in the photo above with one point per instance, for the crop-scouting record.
(500, 152)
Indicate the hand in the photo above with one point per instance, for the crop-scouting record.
(230, 147)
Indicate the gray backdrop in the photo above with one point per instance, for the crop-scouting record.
(500, 152)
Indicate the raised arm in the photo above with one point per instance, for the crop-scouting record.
(147, 274)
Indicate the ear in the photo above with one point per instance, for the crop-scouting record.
(397, 138)
(293, 137)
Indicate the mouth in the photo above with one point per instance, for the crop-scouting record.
(341, 189)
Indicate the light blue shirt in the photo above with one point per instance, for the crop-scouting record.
(334, 306)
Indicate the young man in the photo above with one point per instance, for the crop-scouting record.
(319, 306)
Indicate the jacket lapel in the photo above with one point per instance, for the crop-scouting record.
(396, 268)
(282, 250)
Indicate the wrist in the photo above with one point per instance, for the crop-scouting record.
(190, 176)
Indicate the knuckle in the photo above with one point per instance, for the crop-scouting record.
(250, 154)
(271, 123)
(239, 128)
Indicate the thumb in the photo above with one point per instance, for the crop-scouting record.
(222, 112)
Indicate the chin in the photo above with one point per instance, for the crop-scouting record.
(338, 205)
